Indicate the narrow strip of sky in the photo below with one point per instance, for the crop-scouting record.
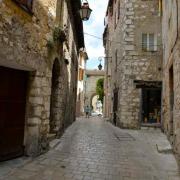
(95, 26)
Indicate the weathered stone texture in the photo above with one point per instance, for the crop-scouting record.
(26, 43)
(92, 76)
(131, 62)
(171, 41)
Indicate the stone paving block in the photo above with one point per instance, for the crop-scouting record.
(89, 151)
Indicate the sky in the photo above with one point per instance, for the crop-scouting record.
(95, 26)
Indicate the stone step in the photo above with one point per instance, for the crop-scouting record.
(51, 136)
(54, 143)
(164, 148)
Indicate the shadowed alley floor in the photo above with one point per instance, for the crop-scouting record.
(92, 149)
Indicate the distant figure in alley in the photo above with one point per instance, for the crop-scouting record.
(87, 111)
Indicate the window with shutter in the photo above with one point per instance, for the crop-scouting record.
(144, 42)
(81, 74)
(149, 42)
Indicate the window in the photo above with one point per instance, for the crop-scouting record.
(25, 4)
(160, 8)
(81, 74)
(149, 42)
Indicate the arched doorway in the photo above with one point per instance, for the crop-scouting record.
(96, 104)
(54, 97)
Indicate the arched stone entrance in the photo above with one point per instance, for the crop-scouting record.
(54, 106)
(95, 103)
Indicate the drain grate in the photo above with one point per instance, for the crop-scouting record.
(124, 137)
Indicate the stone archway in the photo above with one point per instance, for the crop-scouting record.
(91, 99)
(55, 83)
(95, 103)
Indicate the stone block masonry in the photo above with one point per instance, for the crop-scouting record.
(27, 43)
(171, 74)
(129, 61)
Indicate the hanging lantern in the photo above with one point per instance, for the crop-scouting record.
(85, 11)
(100, 67)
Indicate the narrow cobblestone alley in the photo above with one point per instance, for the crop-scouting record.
(94, 149)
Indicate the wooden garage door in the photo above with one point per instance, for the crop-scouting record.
(12, 112)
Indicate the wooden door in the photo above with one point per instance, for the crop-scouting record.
(12, 112)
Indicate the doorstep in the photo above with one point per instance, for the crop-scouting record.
(153, 125)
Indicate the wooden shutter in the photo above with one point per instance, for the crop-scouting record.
(144, 42)
(81, 74)
(151, 42)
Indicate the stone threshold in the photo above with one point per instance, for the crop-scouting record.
(54, 143)
(153, 125)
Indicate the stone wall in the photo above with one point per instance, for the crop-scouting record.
(83, 57)
(171, 42)
(92, 76)
(129, 61)
(27, 43)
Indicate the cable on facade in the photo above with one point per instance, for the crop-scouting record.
(99, 38)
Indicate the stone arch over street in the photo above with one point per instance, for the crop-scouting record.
(92, 76)
(92, 97)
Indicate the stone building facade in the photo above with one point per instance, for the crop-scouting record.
(171, 73)
(39, 50)
(91, 78)
(81, 80)
(133, 48)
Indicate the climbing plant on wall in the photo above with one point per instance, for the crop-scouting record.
(100, 89)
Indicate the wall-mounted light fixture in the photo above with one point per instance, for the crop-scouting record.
(100, 65)
(85, 11)
(100, 59)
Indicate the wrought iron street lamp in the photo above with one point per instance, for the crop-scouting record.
(85, 11)
(100, 65)
(100, 59)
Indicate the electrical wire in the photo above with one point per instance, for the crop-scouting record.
(99, 38)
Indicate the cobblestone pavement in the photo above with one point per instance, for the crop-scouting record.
(95, 150)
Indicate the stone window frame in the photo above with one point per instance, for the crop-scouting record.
(146, 47)
(81, 74)
(26, 5)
